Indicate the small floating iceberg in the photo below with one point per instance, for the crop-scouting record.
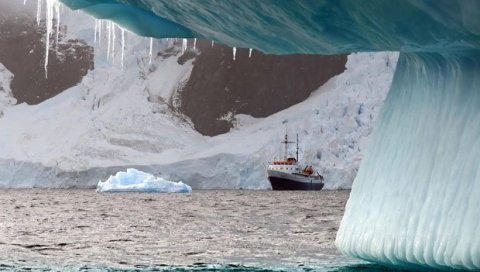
(134, 180)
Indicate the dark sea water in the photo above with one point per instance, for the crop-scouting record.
(81, 230)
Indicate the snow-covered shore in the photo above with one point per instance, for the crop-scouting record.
(119, 118)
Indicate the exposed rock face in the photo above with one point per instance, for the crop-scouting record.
(258, 86)
(22, 51)
(218, 87)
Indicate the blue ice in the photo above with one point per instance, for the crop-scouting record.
(134, 180)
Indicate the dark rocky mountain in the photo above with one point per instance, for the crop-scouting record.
(217, 89)
(258, 86)
(22, 51)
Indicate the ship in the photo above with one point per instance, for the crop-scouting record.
(288, 174)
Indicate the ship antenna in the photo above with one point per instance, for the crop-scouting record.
(297, 147)
(286, 142)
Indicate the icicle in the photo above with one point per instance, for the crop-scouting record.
(194, 43)
(250, 53)
(150, 54)
(57, 9)
(234, 53)
(113, 41)
(100, 28)
(49, 23)
(123, 46)
(95, 32)
(49, 17)
(213, 43)
(109, 34)
(24, 2)
(184, 45)
(39, 11)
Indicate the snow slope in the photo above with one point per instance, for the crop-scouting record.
(121, 117)
(6, 97)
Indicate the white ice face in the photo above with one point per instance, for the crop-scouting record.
(416, 197)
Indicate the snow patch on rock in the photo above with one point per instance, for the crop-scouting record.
(6, 97)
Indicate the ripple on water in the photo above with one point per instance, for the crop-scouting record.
(68, 229)
(364, 267)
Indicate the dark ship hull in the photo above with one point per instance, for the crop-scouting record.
(285, 181)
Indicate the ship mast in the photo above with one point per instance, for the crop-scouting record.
(297, 147)
(286, 142)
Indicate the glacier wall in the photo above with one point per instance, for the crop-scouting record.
(415, 199)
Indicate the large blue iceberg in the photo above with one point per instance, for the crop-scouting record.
(416, 197)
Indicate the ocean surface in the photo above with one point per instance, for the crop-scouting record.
(81, 230)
